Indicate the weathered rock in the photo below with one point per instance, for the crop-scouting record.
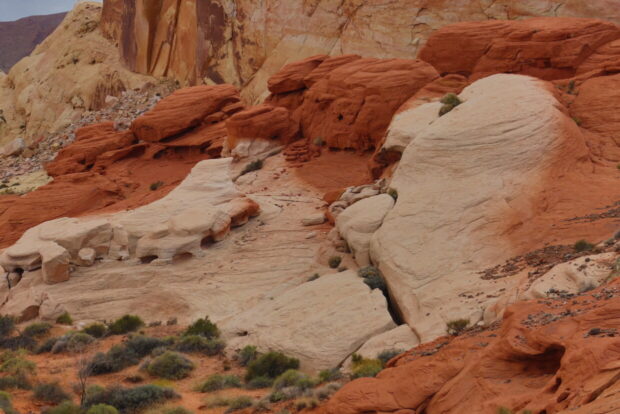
(87, 256)
(399, 339)
(360, 221)
(14, 147)
(314, 220)
(291, 77)
(323, 338)
(55, 263)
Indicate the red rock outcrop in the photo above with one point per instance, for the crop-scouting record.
(347, 102)
(546, 48)
(546, 357)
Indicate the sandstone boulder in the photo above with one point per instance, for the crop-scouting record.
(345, 314)
(399, 339)
(87, 256)
(291, 77)
(55, 263)
(13, 148)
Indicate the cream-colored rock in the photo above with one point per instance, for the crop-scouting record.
(55, 262)
(457, 182)
(313, 220)
(345, 314)
(87, 256)
(406, 125)
(26, 183)
(400, 339)
(359, 222)
(574, 277)
(69, 73)
(14, 147)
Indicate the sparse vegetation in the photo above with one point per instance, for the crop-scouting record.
(7, 326)
(392, 193)
(334, 262)
(246, 355)
(156, 185)
(386, 355)
(170, 365)
(64, 319)
(102, 409)
(66, 407)
(259, 383)
(457, 326)
(5, 403)
(50, 392)
(366, 367)
(306, 403)
(252, 166)
(200, 344)
(203, 327)
(128, 400)
(36, 330)
(328, 375)
(125, 324)
(449, 101)
(583, 246)
(271, 365)
(71, 342)
(314, 277)
(96, 330)
(219, 382)
(293, 378)
(239, 403)
(373, 278)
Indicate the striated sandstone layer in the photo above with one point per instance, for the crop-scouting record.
(244, 42)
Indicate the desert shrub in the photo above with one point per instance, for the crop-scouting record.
(171, 366)
(18, 370)
(175, 410)
(219, 382)
(583, 246)
(18, 342)
(50, 392)
(96, 330)
(387, 354)
(449, 101)
(36, 330)
(271, 364)
(144, 345)
(306, 403)
(334, 262)
(252, 166)
(66, 407)
(293, 378)
(457, 326)
(366, 368)
(314, 277)
(64, 319)
(5, 403)
(239, 403)
(326, 391)
(393, 193)
(504, 410)
(200, 344)
(15, 381)
(330, 375)
(203, 327)
(72, 342)
(246, 355)
(217, 401)
(128, 400)
(46, 346)
(102, 409)
(285, 394)
(259, 383)
(156, 185)
(125, 324)
(373, 278)
(7, 325)
(116, 359)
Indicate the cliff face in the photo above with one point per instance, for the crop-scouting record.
(19, 38)
(242, 42)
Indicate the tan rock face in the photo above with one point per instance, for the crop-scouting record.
(68, 74)
(243, 43)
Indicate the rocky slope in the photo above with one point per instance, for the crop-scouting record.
(19, 38)
(70, 73)
(244, 43)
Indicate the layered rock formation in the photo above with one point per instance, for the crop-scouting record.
(20, 37)
(68, 74)
(243, 43)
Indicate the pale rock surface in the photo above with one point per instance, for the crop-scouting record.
(574, 277)
(314, 220)
(54, 262)
(358, 223)
(401, 338)
(457, 181)
(87, 256)
(69, 73)
(406, 125)
(14, 147)
(345, 314)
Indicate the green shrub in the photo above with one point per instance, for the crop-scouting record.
(170, 366)
(72, 342)
(449, 101)
(334, 261)
(373, 278)
(366, 368)
(14, 364)
(252, 166)
(246, 355)
(217, 401)
(176, 410)
(203, 327)
(36, 330)
(144, 345)
(259, 383)
(46, 346)
(457, 326)
(306, 403)
(293, 378)
(64, 319)
(50, 392)
(386, 355)
(66, 407)
(125, 324)
(15, 381)
(128, 400)
(330, 375)
(314, 277)
(239, 403)
(200, 344)
(285, 394)
(116, 359)
(102, 409)
(271, 364)
(504, 410)
(583, 246)
(393, 193)
(326, 391)
(219, 382)
(7, 326)
(18, 342)
(156, 185)
(96, 330)
(5, 403)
